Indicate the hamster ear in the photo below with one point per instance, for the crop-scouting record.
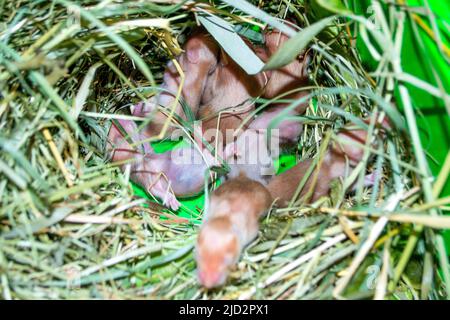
(195, 48)
(193, 55)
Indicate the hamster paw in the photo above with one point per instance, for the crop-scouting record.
(171, 201)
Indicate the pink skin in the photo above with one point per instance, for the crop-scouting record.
(197, 62)
(292, 76)
(222, 86)
(228, 97)
(338, 162)
(250, 151)
(164, 175)
(252, 154)
(228, 86)
(187, 169)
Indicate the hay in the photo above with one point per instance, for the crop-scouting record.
(71, 228)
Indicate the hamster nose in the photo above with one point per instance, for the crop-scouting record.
(209, 279)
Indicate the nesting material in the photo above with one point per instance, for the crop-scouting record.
(71, 226)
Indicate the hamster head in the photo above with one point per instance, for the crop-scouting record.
(216, 252)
